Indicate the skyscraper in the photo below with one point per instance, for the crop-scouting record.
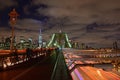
(40, 39)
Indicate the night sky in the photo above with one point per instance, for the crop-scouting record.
(93, 22)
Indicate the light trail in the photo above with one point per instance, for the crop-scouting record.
(113, 77)
(78, 74)
(86, 72)
(90, 57)
(74, 76)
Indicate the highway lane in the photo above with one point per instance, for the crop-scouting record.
(87, 72)
(85, 76)
(91, 73)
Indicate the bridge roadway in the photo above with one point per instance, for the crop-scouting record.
(33, 69)
(90, 55)
(81, 67)
(96, 59)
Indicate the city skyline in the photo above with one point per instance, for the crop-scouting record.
(96, 23)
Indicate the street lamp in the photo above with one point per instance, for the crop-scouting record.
(13, 18)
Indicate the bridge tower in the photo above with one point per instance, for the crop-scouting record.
(59, 40)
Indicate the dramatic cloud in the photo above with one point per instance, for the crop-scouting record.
(28, 24)
(81, 13)
(85, 10)
(94, 22)
(7, 3)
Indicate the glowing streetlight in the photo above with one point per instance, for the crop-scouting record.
(13, 18)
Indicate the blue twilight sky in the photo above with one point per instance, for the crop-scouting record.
(94, 22)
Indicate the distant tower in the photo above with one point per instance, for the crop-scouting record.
(40, 39)
(59, 40)
(115, 45)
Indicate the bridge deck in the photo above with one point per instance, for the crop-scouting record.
(36, 69)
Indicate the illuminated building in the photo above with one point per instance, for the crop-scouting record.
(40, 39)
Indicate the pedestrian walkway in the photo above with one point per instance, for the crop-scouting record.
(42, 70)
(60, 71)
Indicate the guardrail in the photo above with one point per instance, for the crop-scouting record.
(8, 59)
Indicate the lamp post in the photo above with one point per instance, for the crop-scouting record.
(13, 18)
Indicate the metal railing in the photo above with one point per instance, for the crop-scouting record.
(11, 59)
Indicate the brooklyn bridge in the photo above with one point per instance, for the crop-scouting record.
(59, 59)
